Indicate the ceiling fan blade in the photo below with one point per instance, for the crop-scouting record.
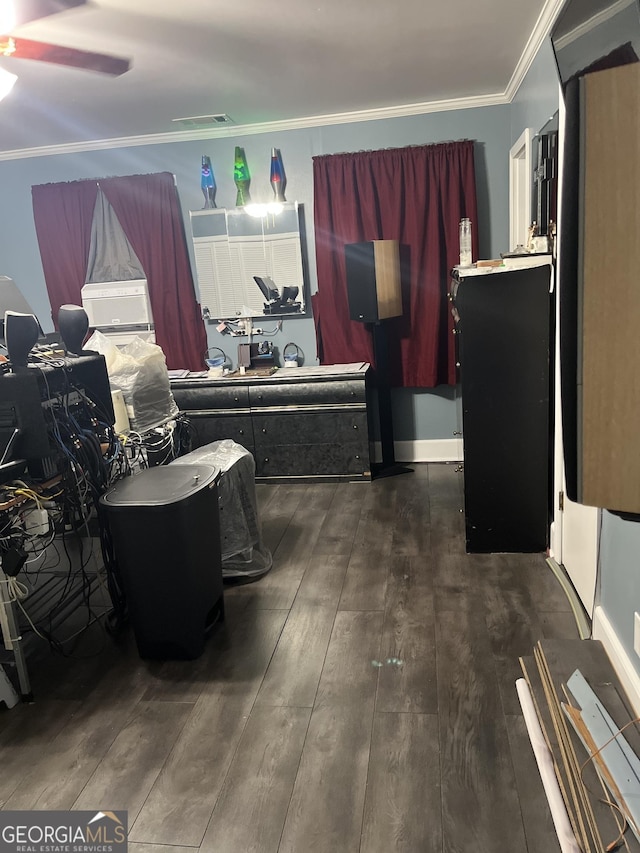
(33, 10)
(70, 56)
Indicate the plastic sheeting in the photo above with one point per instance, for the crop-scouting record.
(243, 552)
(139, 370)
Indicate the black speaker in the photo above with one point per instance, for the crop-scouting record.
(73, 323)
(373, 280)
(21, 332)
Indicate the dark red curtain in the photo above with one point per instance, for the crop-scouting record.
(63, 214)
(417, 196)
(149, 212)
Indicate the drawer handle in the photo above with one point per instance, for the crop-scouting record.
(356, 456)
(264, 429)
(235, 399)
(241, 431)
(355, 426)
(266, 459)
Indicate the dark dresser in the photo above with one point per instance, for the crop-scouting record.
(504, 334)
(306, 423)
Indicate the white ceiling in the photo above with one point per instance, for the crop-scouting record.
(263, 63)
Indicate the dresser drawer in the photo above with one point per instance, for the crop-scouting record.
(205, 429)
(307, 394)
(212, 398)
(312, 460)
(307, 428)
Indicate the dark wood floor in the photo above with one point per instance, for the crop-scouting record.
(359, 698)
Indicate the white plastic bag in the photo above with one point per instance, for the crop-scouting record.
(139, 370)
(244, 555)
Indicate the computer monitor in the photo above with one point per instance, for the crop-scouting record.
(21, 409)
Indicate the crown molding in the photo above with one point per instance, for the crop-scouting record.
(266, 127)
(541, 30)
(545, 21)
(593, 22)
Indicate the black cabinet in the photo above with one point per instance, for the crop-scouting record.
(504, 331)
(309, 423)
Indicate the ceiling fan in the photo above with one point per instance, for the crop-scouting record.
(24, 11)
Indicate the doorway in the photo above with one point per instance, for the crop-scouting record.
(575, 528)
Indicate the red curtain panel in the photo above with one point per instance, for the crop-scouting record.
(63, 214)
(415, 195)
(148, 209)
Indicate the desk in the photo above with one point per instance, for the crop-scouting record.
(9, 630)
(67, 593)
(63, 577)
(300, 424)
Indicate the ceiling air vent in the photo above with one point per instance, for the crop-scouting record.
(194, 122)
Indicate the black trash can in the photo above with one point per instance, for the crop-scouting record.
(165, 528)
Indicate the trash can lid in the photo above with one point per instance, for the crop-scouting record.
(160, 486)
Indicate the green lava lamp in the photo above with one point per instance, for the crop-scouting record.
(241, 177)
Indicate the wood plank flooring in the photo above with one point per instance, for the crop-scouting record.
(359, 698)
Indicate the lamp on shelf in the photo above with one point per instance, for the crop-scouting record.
(208, 183)
(241, 177)
(277, 177)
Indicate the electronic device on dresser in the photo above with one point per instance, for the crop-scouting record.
(276, 302)
(255, 356)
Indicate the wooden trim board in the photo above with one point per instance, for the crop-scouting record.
(386, 255)
(610, 400)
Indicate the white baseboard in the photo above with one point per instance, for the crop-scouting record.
(603, 630)
(425, 450)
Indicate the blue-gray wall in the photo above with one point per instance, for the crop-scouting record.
(619, 571)
(419, 414)
(537, 97)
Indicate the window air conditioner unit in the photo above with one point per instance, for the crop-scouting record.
(112, 304)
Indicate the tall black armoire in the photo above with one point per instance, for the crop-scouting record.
(505, 336)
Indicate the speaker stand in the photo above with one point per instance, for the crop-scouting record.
(388, 467)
